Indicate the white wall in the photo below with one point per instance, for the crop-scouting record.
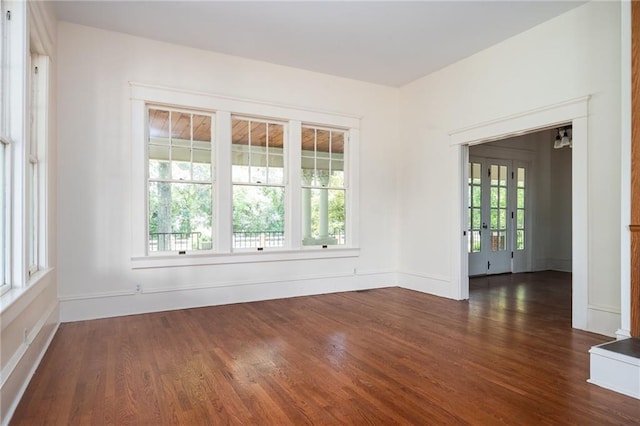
(94, 164)
(29, 317)
(571, 56)
(560, 255)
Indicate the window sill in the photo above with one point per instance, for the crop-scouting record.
(22, 296)
(243, 257)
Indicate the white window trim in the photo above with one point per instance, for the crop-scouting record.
(29, 30)
(223, 107)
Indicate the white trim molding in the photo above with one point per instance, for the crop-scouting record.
(17, 373)
(574, 111)
(426, 283)
(85, 307)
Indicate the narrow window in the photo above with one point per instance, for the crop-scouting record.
(179, 180)
(475, 207)
(4, 215)
(33, 171)
(520, 209)
(498, 207)
(323, 186)
(258, 178)
(5, 207)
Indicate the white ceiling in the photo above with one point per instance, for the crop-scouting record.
(390, 43)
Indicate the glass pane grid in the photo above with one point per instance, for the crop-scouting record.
(323, 186)
(180, 186)
(475, 207)
(257, 152)
(3, 216)
(520, 208)
(498, 207)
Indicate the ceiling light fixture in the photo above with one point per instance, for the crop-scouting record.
(558, 143)
(563, 138)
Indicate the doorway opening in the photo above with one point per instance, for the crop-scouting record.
(573, 112)
(519, 204)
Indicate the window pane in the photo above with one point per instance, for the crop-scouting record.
(476, 173)
(180, 128)
(179, 216)
(520, 201)
(240, 166)
(502, 219)
(33, 216)
(476, 201)
(258, 216)
(502, 245)
(3, 215)
(494, 175)
(476, 244)
(476, 218)
(520, 177)
(202, 132)
(158, 126)
(494, 197)
(520, 218)
(159, 162)
(323, 216)
(520, 240)
(503, 175)
(503, 197)
(181, 170)
(276, 169)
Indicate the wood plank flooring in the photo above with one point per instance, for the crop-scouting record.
(387, 356)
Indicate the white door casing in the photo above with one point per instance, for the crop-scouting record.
(573, 111)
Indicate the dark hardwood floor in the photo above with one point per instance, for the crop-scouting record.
(506, 356)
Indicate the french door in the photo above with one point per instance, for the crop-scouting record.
(497, 216)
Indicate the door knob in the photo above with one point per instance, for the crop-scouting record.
(484, 225)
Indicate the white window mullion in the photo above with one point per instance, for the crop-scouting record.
(352, 186)
(293, 167)
(223, 207)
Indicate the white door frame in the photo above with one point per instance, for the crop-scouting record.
(574, 111)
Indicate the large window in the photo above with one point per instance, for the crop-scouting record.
(33, 169)
(323, 186)
(4, 215)
(258, 175)
(23, 139)
(5, 207)
(217, 175)
(179, 180)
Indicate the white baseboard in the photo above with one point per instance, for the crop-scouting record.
(19, 370)
(623, 334)
(614, 371)
(562, 265)
(430, 284)
(79, 307)
(603, 320)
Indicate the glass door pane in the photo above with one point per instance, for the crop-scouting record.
(498, 207)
